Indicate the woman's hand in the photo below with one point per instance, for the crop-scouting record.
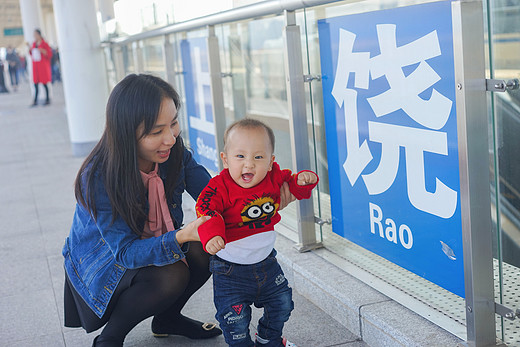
(286, 196)
(190, 231)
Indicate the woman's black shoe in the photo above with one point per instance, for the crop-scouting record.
(101, 343)
(185, 326)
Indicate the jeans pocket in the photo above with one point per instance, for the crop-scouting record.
(218, 267)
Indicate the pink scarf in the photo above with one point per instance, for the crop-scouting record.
(159, 218)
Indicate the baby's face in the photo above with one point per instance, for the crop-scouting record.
(248, 156)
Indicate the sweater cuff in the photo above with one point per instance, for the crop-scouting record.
(211, 228)
(171, 247)
(302, 192)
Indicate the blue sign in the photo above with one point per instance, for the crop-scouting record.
(391, 125)
(13, 31)
(197, 85)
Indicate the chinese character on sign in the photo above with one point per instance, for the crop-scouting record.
(403, 93)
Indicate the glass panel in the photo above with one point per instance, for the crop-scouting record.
(153, 61)
(230, 58)
(178, 84)
(128, 59)
(317, 144)
(110, 64)
(504, 62)
(252, 52)
(415, 292)
(179, 79)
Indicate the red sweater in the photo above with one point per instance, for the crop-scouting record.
(244, 211)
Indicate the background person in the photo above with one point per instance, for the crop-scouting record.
(3, 88)
(14, 64)
(55, 65)
(41, 54)
(22, 70)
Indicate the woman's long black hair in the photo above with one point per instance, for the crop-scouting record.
(135, 100)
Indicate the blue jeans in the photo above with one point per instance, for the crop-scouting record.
(237, 286)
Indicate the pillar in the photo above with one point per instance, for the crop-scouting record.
(106, 8)
(83, 72)
(32, 19)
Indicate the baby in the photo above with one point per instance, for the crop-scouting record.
(244, 200)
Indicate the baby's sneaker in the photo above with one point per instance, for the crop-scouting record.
(260, 341)
(287, 343)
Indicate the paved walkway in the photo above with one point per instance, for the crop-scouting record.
(37, 172)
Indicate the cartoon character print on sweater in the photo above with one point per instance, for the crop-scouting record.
(258, 211)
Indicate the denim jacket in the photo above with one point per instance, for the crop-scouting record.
(97, 252)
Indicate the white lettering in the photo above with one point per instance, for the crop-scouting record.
(239, 336)
(206, 151)
(390, 233)
(375, 220)
(354, 71)
(233, 319)
(402, 229)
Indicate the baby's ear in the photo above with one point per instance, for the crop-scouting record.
(223, 156)
(271, 162)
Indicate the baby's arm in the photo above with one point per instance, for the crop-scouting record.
(215, 244)
(210, 204)
(302, 183)
(306, 177)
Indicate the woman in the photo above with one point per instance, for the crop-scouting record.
(127, 256)
(41, 55)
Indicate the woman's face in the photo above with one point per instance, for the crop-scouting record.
(36, 36)
(155, 146)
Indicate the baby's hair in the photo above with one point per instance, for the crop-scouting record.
(250, 123)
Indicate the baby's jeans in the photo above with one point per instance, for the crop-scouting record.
(237, 286)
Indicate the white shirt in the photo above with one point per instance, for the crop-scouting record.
(36, 55)
(249, 250)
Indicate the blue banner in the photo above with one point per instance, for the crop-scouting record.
(391, 126)
(13, 31)
(195, 63)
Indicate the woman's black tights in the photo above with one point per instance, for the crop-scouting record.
(154, 288)
(36, 92)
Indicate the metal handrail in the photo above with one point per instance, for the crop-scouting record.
(259, 9)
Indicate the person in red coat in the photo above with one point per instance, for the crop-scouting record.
(41, 55)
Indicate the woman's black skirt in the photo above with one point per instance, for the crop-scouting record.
(79, 314)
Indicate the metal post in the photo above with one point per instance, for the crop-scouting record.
(472, 124)
(217, 91)
(238, 76)
(169, 60)
(298, 127)
(119, 65)
(137, 52)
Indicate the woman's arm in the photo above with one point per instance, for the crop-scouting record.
(133, 252)
(190, 231)
(286, 197)
(127, 247)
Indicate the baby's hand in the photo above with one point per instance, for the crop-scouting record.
(215, 244)
(306, 178)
